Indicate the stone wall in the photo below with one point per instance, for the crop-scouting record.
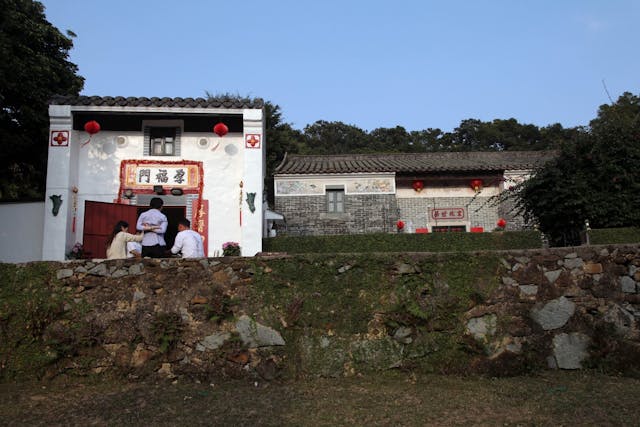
(566, 308)
(307, 215)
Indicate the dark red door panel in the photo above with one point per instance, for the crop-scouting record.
(99, 220)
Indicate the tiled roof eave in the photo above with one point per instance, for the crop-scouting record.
(422, 163)
(109, 102)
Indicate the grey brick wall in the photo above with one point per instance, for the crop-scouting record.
(514, 221)
(307, 215)
(480, 213)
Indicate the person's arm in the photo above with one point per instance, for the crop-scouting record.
(139, 225)
(162, 228)
(128, 237)
(178, 243)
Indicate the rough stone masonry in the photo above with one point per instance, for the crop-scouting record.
(570, 308)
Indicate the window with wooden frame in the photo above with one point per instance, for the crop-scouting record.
(335, 200)
(162, 140)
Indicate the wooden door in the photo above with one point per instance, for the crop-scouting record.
(99, 220)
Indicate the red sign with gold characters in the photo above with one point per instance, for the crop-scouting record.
(448, 214)
(252, 140)
(59, 138)
(200, 221)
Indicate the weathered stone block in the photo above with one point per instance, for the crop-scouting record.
(64, 273)
(570, 350)
(528, 290)
(214, 341)
(593, 268)
(552, 276)
(480, 327)
(254, 335)
(573, 263)
(554, 314)
(627, 285)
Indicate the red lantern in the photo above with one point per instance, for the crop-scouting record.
(400, 225)
(502, 223)
(91, 127)
(476, 184)
(220, 129)
(418, 185)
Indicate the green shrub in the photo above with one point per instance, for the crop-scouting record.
(610, 236)
(382, 242)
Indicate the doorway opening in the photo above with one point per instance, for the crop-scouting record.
(173, 214)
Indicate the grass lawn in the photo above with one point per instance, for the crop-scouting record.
(391, 399)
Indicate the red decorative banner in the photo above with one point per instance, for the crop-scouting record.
(200, 221)
(59, 138)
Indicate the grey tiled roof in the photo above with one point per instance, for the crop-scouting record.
(121, 101)
(471, 161)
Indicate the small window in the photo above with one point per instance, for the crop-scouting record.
(335, 201)
(162, 141)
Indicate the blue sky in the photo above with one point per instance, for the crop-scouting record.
(416, 63)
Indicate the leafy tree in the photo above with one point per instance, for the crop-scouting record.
(595, 178)
(34, 67)
(324, 137)
(428, 140)
(503, 135)
(394, 140)
(282, 138)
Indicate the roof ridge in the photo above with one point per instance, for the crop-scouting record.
(136, 101)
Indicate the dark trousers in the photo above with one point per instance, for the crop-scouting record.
(156, 251)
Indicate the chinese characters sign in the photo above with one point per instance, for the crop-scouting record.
(448, 214)
(142, 174)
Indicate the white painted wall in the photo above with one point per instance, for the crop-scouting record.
(21, 231)
(95, 170)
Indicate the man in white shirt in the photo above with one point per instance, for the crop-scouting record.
(188, 241)
(154, 224)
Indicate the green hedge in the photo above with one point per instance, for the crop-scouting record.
(382, 242)
(433, 242)
(606, 236)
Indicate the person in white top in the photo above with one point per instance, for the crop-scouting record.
(134, 250)
(188, 241)
(117, 241)
(154, 224)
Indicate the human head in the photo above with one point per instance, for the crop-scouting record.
(156, 203)
(184, 224)
(120, 226)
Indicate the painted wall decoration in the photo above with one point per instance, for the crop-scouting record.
(57, 202)
(251, 201)
(373, 185)
(298, 188)
(59, 138)
(313, 187)
(252, 140)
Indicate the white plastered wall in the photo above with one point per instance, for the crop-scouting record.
(95, 170)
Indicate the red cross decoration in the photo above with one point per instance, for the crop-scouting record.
(59, 138)
(252, 140)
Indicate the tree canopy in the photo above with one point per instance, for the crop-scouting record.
(595, 178)
(35, 66)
